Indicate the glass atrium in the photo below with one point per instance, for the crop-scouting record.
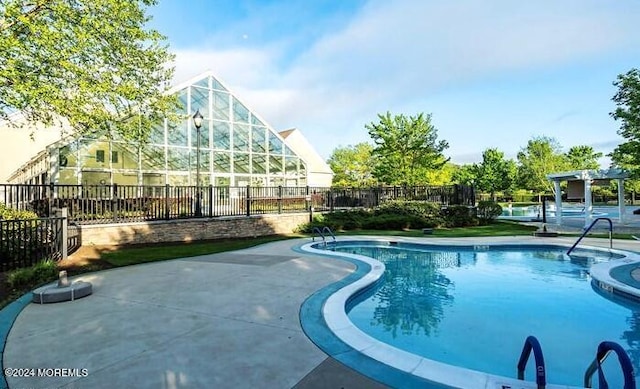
(237, 148)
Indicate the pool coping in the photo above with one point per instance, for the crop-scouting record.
(342, 340)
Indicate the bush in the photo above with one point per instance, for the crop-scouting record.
(30, 277)
(459, 216)
(15, 214)
(488, 210)
(393, 222)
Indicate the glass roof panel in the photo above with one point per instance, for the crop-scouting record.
(220, 105)
(217, 85)
(203, 83)
(275, 144)
(241, 163)
(240, 112)
(221, 136)
(200, 101)
(240, 137)
(258, 139)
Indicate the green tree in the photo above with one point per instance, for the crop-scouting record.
(464, 174)
(494, 173)
(406, 149)
(542, 156)
(627, 99)
(352, 165)
(88, 63)
(583, 157)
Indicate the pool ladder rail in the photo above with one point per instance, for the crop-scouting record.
(586, 231)
(323, 233)
(604, 349)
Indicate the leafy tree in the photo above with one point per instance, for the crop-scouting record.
(583, 157)
(494, 173)
(465, 174)
(627, 98)
(88, 63)
(352, 165)
(442, 176)
(542, 156)
(406, 149)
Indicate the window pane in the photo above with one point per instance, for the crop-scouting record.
(220, 105)
(204, 135)
(157, 134)
(275, 164)
(125, 178)
(68, 176)
(177, 159)
(97, 178)
(177, 133)
(200, 101)
(123, 156)
(221, 138)
(240, 137)
(288, 151)
(241, 163)
(303, 168)
(217, 84)
(93, 152)
(182, 102)
(153, 179)
(291, 165)
(178, 179)
(204, 161)
(221, 162)
(203, 83)
(258, 139)
(256, 121)
(68, 156)
(152, 157)
(275, 144)
(240, 112)
(259, 164)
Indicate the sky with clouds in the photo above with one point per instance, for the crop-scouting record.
(492, 73)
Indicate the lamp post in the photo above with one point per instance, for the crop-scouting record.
(197, 121)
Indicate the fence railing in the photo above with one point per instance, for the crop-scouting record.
(126, 203)
(25, 242)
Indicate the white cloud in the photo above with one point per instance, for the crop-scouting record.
(391, 55)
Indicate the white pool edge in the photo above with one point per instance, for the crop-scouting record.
(334, 312)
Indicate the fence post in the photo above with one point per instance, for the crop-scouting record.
(64, 245)
(279, 198)
(166, 202)
(210, 200)
(50, 199)
(248, 199)
(331, 199)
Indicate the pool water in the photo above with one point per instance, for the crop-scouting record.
(474, 308)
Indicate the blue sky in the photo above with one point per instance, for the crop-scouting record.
(493, 73)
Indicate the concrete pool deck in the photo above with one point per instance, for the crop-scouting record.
(220, 320)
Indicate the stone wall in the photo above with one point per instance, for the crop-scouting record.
(190, 229)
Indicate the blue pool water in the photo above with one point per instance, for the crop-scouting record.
(474, 308)
(567, 211)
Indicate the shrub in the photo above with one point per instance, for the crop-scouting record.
(488, 211)
(15, 214)
(428, 213)
(30, 277)
(393, 222)
(459, 216)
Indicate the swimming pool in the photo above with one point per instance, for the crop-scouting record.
(535, 211)
(473, 306)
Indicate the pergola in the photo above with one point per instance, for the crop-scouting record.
(579, 184)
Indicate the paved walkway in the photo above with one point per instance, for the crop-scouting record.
(227, 320)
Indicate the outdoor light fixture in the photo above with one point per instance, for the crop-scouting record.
(197, 121)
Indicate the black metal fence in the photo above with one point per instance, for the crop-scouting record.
(25, 242)
(125, 203)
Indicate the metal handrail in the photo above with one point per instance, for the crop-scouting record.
(593, 223)
(317, 230)
(604, 349)
(327, 230)
(531, 343)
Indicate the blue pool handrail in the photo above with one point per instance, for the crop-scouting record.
(604, 349)
(531, 343)
(593, 223)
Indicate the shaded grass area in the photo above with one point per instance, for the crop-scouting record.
(133, 255)
(498, 228)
